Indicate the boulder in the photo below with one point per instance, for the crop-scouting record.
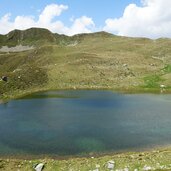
(110, 165)
(39, 167)
(162, 86)
(5, 78)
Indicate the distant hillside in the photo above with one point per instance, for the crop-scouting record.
(40, 36)
(32, 36)
(96, 60)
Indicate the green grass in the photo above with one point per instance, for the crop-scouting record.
(152, 81)
(85, 61)
(158, 160)
(167, 69)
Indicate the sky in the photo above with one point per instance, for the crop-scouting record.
(134, 18)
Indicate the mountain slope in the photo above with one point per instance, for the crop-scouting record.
(96, 60)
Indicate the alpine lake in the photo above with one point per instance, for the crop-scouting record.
(83, 122)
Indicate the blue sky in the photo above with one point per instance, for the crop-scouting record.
(136, 18)
(99, 10)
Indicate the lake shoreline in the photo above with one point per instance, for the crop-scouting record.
(137, 90)
(87, 155)
(155, 159)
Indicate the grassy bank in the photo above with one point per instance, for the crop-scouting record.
(138, 90)
(158, 160)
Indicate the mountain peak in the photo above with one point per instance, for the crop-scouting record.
(30, 35)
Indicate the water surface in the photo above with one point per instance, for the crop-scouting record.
(80, 122)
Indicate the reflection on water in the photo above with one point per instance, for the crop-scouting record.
(80, 122)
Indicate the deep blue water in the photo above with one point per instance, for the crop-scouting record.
(84, 121)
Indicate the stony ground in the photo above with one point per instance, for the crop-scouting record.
(158, 160)
(18, 48)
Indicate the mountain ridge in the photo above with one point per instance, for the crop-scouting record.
(45, 32)
(37, 36)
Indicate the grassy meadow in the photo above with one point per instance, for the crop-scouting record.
(86, 61)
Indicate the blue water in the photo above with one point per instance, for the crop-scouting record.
(82, 121)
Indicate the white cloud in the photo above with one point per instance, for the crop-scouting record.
(50, 12)
(5, 25)
(152, 19)
(81, 25)
(47, 19)
(23, 22)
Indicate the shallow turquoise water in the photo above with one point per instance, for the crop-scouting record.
(84, 121)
